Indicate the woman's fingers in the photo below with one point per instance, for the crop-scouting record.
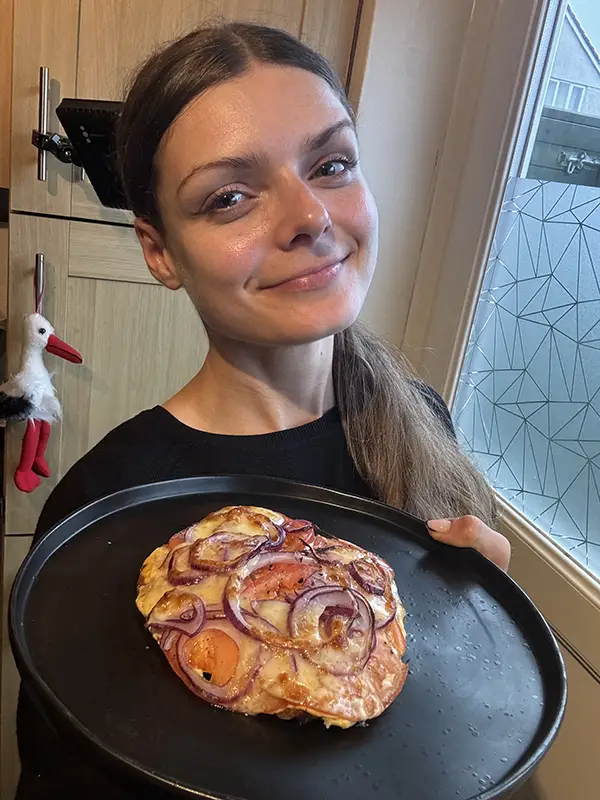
(471, 532)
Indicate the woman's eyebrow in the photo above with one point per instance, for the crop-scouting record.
(253, 160)
(319, 140)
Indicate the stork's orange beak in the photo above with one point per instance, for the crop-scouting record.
(61, 349)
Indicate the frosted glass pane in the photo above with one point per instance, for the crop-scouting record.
(528, 405)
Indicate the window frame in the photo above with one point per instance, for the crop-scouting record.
(502, 80)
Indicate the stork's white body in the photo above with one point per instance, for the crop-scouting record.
(33, 382)
(29, 395)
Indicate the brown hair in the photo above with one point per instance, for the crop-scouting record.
(398, 442)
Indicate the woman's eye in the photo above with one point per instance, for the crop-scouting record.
(331, 169)
(226, 200)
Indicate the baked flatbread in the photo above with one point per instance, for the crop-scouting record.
(263, 614)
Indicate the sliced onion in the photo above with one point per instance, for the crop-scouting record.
(223, 551)
(253, 618)
(215, 611)
(183, 537)
(349, 648)
(310, 607)
(169, 638)
(338, 554)
(189, 534)
(298, 526)
(255, 627)
(181, 571)
(369, 575)
(274, 544)
(384, 615)
(239, 683)
(178, 610)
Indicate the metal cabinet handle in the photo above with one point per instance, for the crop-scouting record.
(43, 112)
(39, 280)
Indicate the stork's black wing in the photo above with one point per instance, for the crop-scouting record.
(14, 408)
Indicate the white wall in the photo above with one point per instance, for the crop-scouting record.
(413, 62)
(573, 64)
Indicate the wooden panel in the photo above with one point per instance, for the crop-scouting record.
(3, 273)
(140, 343)
(28, 236)
(45, 35)
(115, 36)
(6, 19)
(329, 28)
(106, 252)
(15, 550)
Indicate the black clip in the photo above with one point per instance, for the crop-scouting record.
(59, 146)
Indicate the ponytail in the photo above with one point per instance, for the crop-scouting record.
(401, 447)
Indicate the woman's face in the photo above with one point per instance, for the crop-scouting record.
(268, 221)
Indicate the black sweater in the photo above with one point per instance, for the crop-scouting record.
(154, 446)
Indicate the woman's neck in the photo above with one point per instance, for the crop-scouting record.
(245, 390)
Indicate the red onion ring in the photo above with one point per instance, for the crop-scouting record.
(185, 536)
(184, 612)
(222, 544)
(169, 638)
(382, 621)
(239, 683)
(181, 572)
(298, 526)
(274, 544)
(369, 575)
(347, 651)
(233, 591)
(215, 611)
(337, 554)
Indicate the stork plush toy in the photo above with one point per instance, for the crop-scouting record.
(29, 395)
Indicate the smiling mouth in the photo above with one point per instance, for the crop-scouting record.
(313, 278)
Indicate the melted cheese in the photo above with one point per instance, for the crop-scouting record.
(288, 682)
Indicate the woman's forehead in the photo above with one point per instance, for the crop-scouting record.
(267, 108)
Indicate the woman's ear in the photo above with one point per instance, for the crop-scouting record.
(159, 260)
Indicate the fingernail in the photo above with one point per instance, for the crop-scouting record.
(439, 525)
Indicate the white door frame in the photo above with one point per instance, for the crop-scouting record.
(500, 82)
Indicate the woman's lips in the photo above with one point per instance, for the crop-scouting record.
(318, 279)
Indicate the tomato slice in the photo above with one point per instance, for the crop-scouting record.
(278, 581)
(215, 655)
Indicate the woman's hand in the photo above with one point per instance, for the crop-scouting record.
(470, 531)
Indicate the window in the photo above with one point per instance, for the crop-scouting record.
(562, 94)
(528, 403)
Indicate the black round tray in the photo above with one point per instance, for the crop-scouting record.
(483, 700)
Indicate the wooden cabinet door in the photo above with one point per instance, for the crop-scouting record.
(140, 342)
(45, 35)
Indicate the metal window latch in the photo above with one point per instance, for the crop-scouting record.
(575, 162)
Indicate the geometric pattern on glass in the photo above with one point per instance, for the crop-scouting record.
(528, 404)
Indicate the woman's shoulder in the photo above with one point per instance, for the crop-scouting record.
(437, 405)
(133, 453)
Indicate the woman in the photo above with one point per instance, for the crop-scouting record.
(239, 156)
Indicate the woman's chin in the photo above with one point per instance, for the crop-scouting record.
(313, 327)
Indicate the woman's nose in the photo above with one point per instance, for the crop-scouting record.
(302, 216)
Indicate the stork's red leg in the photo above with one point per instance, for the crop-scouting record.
(40, 465)
(25, 479)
